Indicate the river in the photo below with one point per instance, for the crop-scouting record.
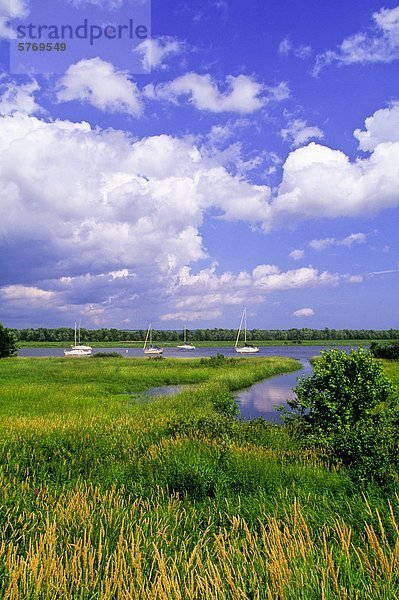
(302, 353)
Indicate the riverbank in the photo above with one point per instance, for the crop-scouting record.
(105, 495)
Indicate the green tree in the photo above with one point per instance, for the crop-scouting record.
(8, 345)
(348, 407)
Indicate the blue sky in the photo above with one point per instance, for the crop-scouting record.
(243, 154)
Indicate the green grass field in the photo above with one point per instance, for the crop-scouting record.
(107, 494)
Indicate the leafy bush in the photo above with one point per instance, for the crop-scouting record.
(347, 406)
(389, 351)
(8, 345)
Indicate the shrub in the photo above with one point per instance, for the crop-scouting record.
(8, 345)
(106, 355)
(347, 406)
(389, 351)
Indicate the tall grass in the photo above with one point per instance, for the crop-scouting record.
(92, 543)
(105, 495)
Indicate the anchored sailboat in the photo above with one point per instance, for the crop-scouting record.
(247, 348)
(78, 349)
(151, 350)
(186, 345)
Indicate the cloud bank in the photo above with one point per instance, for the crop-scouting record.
(112, 222)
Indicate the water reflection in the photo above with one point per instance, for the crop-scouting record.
(261, 398)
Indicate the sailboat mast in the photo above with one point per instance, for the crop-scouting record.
(245, 326)
(146, 337)
(239, 330)
(75, 333)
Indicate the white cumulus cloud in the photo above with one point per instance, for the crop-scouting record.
(154, 51)
(18, 98)
(382, 127)
(353, 238)
(379, 45)
(319, 182)
(297, 254)
(26, 293)
(298, 132)
(241, 94)
(304, 312)
(100, 84)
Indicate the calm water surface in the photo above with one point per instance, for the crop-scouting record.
(261, 398)
(299, 352)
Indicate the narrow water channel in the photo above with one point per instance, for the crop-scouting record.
(261, 398)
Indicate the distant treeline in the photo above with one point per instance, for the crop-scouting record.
(66, 334)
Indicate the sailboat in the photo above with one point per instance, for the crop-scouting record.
(151, 350)
(186, 345)
(247, 348)
(78, 349)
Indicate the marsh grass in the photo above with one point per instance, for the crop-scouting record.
(104, 497)
(93, 543)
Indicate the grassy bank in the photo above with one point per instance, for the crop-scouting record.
(105, 494)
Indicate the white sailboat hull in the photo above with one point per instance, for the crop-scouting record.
(81, 347)
(153, 351)
(247, 350)
(78, 352)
